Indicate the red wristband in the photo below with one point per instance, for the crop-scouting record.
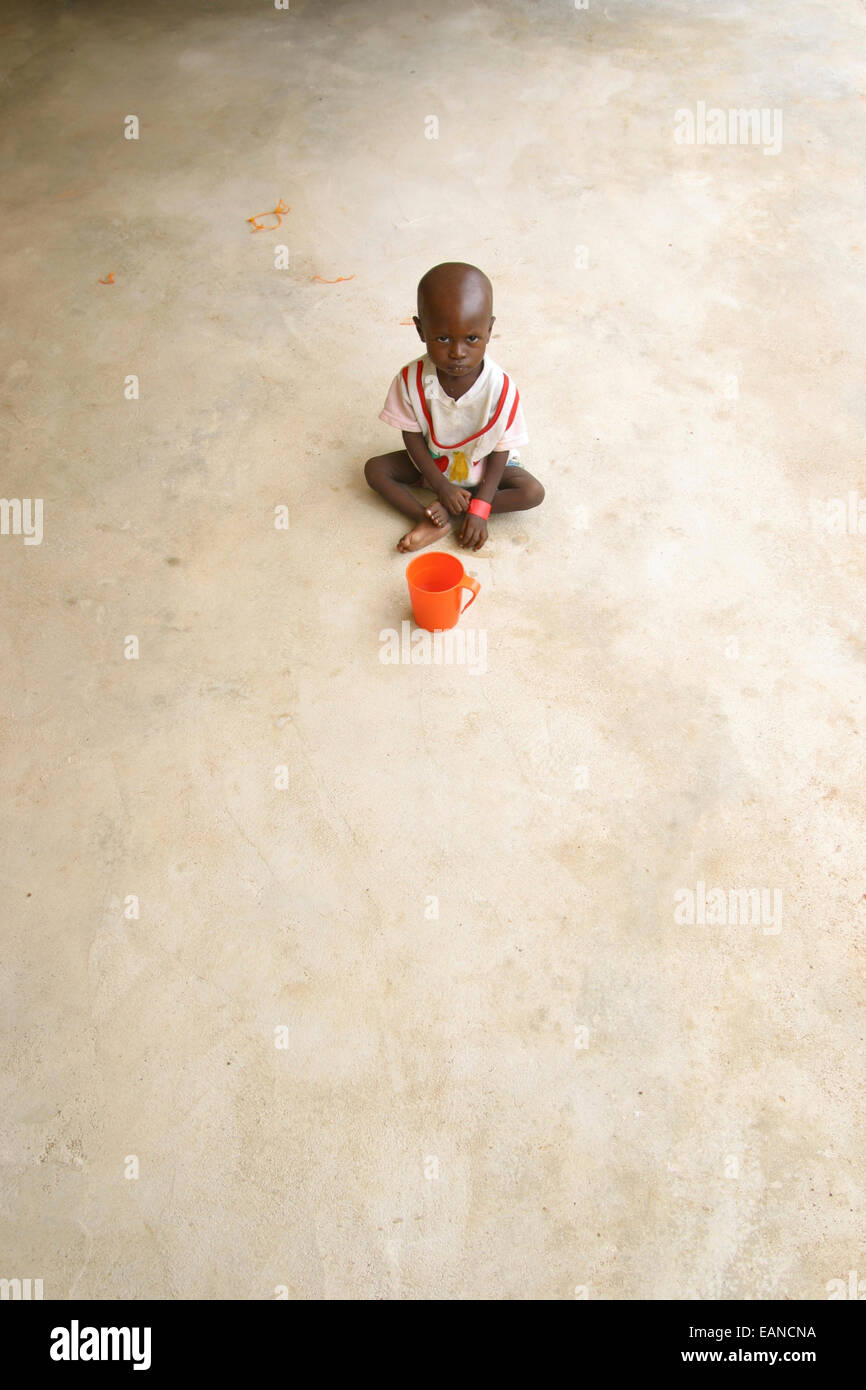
(479, 508)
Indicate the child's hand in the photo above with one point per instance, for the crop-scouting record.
(455, 499)
(473, 532)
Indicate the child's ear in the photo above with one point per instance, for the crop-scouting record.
(490, 329)
(417, 323)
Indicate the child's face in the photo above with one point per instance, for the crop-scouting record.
(456, 337)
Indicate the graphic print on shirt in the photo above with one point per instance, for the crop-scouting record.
(459, 468)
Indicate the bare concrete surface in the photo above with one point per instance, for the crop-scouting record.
(411, 1007)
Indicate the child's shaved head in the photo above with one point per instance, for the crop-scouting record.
(455, 320)
(455, 283)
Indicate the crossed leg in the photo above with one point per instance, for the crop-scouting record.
(517, 492)
(392, 475)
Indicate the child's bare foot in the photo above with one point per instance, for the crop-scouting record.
(425, 533)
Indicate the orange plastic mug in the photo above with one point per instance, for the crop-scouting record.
(435, 584)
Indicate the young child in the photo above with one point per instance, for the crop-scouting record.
(460, 416)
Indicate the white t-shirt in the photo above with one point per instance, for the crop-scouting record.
(459, 434)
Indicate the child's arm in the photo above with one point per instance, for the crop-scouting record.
(473, 532)
(494, 467)
(455, 499)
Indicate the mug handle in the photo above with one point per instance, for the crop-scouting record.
(469, 583)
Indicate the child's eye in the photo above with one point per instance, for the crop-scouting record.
(473, 338)
(443, 338)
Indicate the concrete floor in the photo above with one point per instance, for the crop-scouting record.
(555, 1089)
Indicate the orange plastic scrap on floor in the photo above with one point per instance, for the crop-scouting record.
(110, 280)
(333, 282)
(277, 212)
